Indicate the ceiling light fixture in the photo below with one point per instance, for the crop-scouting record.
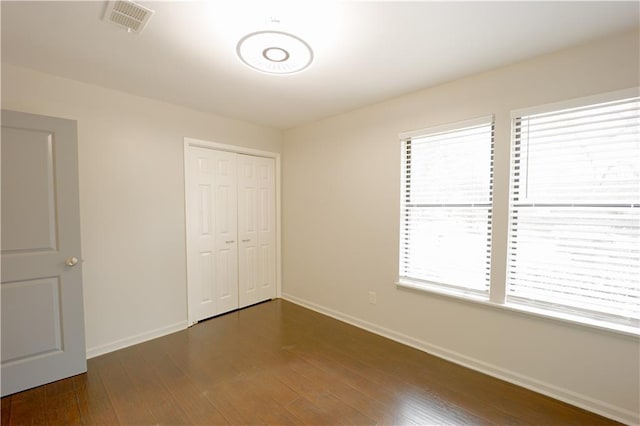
(274, 52)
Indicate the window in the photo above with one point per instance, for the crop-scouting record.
(446, 207)
(574, 232)
(573, 222)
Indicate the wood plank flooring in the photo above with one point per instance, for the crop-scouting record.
(278, 363)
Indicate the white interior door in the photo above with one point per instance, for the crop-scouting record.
(212, 259)
(256, 229)
(42, 306)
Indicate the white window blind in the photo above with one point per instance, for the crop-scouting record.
(446, 207)
(574, 235)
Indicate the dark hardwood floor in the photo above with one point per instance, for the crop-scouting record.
(278, 363)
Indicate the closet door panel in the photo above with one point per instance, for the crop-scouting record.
(247, 230)
(256, 229)
(200, 245)
(265, 173)
(212, 228)
(226, 232)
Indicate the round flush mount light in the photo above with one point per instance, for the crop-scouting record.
(274, 52)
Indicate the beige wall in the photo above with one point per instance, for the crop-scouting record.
(341, 181)
(131, 198)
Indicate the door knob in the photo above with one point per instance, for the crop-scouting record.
(71, 261)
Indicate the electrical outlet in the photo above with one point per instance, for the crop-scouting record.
(372, 297)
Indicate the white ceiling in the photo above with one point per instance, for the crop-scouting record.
(365, 52)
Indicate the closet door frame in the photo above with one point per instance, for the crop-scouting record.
(192, 142)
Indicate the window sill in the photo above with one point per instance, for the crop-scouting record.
(522, 309)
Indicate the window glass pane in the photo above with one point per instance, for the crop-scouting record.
(446, 208)
(448, 245)
(574, 239)
(576, 156)
(452, 168)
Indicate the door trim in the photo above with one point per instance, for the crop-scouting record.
(193, 142)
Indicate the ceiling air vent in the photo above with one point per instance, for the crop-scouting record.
(127, 14)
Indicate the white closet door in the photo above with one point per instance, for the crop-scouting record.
(212, 233)
(256, 229)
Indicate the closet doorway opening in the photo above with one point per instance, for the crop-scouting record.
(232, 201)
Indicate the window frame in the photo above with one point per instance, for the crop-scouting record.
(595, 318)
(443, 288)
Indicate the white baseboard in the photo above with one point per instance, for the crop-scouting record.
(133, 340)
(600, 407)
